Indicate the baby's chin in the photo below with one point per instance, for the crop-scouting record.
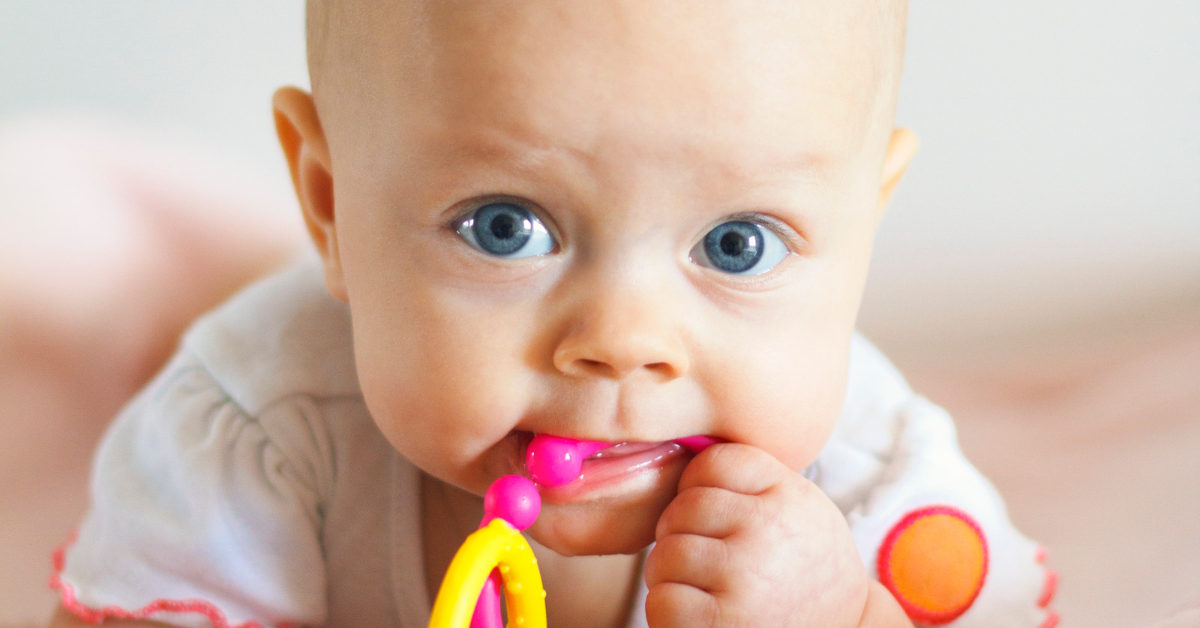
(620, 524)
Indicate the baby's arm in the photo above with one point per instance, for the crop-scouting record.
(747, 542)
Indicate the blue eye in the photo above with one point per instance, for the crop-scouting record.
(506, 230)
(740, 247)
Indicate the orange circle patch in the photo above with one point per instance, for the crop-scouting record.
(934, 561)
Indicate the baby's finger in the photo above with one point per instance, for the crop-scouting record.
(706, 511)
(673, 605)
(734, 467)
(698, 561)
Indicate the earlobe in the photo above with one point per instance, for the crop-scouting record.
(304, 146)
(900, 151)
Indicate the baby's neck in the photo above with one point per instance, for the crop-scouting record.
(581, 592)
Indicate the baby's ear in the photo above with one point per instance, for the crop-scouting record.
(307, 152)
(900, 151)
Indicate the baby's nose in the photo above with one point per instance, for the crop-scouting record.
(616, 345)
(619, 358)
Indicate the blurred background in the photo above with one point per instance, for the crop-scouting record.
(1038, 272)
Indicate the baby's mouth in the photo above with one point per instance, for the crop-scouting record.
(566, 468)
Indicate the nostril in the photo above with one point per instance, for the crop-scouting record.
(600, 368)
(662, 369)
(595, 367)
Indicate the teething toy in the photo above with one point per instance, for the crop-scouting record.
(497, 545)
(556, 461)
(496, 558)
(697, 444)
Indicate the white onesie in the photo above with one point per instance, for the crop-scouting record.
(248, 486)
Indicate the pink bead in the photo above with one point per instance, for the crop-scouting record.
(514, 499)
(557, 461)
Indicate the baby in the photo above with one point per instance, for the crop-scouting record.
(627, 221)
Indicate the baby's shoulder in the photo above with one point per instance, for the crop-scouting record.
(876, 395)
(270, 371)
(281, 337)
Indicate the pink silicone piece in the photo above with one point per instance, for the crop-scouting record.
(516, 500)
(697, 444)
(487, 609)
(557, 461)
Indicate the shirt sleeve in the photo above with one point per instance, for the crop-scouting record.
(928, 525)
(933, 513)
(202, 515)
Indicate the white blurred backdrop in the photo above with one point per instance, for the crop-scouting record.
(1057, 189)
(1057, 193)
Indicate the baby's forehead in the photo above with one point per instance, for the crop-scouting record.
(726, 61)
(869, 32)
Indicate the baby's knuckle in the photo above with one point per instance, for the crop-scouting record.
(653, 565)
(673, 605)
(691, 499)
(671, 546)
(766, 513)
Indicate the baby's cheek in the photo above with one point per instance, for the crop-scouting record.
(788, 409)
(777, 382)
(444, 412)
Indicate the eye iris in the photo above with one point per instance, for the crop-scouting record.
(502, 228)
(734, 247)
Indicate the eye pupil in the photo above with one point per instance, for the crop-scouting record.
(735, 246)
(502, 228)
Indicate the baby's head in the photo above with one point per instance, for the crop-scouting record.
(616, 220)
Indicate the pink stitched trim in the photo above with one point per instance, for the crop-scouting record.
(883, 565)
(1049, 586)
(98, 615)
(1051, 620)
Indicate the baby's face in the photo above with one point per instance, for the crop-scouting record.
(614, 221)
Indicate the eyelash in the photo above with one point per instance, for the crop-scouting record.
(790, 237)
(473, 205)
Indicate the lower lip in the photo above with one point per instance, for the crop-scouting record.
(617, 469)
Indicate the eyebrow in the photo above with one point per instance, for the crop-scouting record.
(482, 146)
(520, 155)
(806, 165)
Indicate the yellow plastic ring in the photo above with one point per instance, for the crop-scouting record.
(495, 546)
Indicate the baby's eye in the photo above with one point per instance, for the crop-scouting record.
(740, 247)
(506, 230)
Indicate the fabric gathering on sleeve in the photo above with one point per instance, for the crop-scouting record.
(201, 514)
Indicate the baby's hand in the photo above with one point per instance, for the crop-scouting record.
(749, 542)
